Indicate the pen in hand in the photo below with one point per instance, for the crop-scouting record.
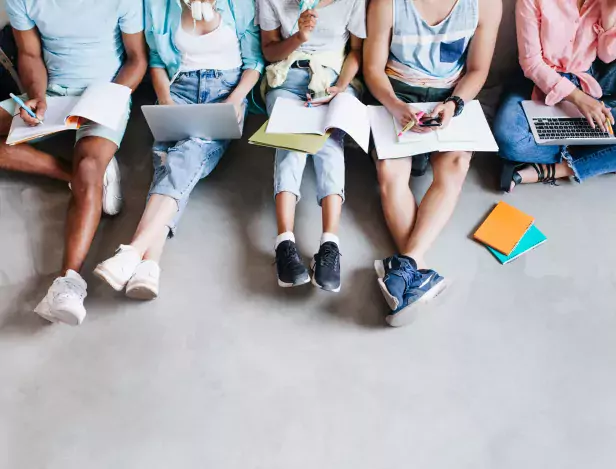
(22, 105)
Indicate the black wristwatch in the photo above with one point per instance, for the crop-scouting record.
(459, 102)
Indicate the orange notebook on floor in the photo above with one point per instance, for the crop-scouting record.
(504, 228)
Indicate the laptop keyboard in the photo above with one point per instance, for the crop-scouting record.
(561, 128)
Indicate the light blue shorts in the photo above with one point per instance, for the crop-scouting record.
(90, 129)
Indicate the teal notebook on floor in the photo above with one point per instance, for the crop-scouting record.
(530, 241)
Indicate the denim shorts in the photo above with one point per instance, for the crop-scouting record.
(90, 129)
(178, 166)
(328, 162)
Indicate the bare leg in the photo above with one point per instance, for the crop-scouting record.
(92, 155)
(398, 202)
(153, 229)
(285, 211)
(437, 206)
(331, 207)
(27, 159)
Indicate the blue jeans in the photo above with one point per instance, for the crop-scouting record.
(328, 162)
(516, 141)
(178, 166)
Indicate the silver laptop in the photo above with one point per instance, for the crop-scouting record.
(181, 121)
(563, 124)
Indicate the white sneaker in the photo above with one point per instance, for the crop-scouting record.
(143, 285)
(64, 300)
(112, 189)
(118, 270)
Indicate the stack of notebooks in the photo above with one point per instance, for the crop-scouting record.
(509, 233)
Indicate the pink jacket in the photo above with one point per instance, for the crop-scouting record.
(554, 36)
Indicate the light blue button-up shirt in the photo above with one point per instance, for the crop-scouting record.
(162, 19)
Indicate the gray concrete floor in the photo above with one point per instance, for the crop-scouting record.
(513, 368)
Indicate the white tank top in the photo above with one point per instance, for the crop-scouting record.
(218, 50)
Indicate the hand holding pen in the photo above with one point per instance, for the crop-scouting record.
(32, 111)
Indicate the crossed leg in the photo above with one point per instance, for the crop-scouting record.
(27, 159)
(415, 229)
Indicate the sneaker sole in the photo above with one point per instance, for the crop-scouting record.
(142, 291)
(299, 283)
(105, 275)
(314, 281)
(379, 267)
(408, 315)
(62, 316)
(114, 207)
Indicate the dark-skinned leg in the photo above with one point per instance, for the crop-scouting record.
(92, 155)
(27, 159)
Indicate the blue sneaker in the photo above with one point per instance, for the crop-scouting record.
(406, 289)
(394, 262)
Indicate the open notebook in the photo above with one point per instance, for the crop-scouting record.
(103, 103)
(344, 112)
(468, 132)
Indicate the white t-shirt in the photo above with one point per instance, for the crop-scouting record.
(334, 24)
(217, 50)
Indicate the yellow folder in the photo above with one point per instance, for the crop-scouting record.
(304, 143)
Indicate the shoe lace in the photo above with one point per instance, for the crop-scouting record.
(411, 278)
(328, 257)
(289, 255)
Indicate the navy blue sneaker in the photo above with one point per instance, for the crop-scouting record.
(291, 270)
(326, 268)
(406, 288)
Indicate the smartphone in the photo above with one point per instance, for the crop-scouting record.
(319, 97)
(428, 121)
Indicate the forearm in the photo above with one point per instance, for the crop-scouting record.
(380, 86)
(132, 72)
(276, 51)
(351, 66)
(33, 75)
(248, 81)
(471, 84)
(162, 84)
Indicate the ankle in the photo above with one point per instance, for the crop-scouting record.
(282, 237)
(330, 238)
(419, 260)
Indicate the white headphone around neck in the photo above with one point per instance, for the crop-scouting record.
(200, 10)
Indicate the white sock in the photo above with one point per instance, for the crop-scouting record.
(286, 236)
(330, 238)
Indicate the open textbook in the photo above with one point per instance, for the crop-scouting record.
(103, 103)
(344, 112)
(468, 132)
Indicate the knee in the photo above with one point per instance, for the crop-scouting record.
(390, 177)
(88, 173)
(451, 169)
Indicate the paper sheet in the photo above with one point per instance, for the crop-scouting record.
(291, 116)
(103, 103)
(58, 108)
(349, 114)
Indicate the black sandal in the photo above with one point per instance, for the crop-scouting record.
(510, 174)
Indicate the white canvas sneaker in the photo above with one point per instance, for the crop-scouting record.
(118, 270)
(143, 285)
(64, 300)
(112, 189)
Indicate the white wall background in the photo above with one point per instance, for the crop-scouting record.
(3, 18)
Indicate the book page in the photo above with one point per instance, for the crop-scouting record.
(103, 103)
(350, 115)
(291, 116)
(385, 137)
(466, 127)
(58, 109)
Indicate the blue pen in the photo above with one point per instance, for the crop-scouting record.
(22, 105)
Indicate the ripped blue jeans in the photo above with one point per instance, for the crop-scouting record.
(516, 141)
(178, 166)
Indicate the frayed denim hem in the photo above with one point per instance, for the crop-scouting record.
(566, 156)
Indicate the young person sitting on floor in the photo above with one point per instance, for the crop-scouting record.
(214, 60)
(424, 51)
(558, 42)
(308, 51)
(64, 47)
